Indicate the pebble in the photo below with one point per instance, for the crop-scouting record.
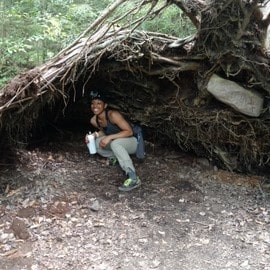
(95, 206)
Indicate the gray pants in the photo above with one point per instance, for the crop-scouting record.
(121, 149)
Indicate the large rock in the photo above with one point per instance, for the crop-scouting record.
(242, 100)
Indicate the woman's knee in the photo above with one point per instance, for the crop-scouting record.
(114, 145)
(128, 145)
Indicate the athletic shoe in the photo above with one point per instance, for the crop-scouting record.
(112, 161)
(130, 184)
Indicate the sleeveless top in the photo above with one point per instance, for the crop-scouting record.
(137, 133)
(110, 128)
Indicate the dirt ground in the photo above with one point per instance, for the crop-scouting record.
(61, 209)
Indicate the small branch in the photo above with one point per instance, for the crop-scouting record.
(192, 12)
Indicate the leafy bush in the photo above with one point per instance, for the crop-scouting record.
(32, 31)
(172, 22)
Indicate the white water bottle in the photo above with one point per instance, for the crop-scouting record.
(91, 144)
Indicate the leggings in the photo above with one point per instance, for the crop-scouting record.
(121, 149)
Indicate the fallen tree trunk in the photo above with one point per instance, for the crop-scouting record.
(158, 80)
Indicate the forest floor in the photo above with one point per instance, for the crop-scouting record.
(61, 209)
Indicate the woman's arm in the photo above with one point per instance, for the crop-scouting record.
(93, 122)
(118, 119)
(98, 133)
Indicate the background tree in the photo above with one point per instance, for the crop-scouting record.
(32, 31)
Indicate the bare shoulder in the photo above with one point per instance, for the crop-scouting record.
(113, 113)
(118, 119)
(115, 116)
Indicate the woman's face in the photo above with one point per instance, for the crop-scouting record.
(98, 106)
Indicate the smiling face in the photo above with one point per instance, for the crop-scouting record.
(98, 106)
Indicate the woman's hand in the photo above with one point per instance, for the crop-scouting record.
(96, 135)
(105, 141)
(86, 139)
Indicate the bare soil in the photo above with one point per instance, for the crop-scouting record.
(61, 209)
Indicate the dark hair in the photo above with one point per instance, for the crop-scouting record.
(98, 95)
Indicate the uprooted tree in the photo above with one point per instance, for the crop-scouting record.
(206, 93)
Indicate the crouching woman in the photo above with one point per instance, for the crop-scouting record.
(114, 138)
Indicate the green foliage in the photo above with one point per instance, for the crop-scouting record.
(172, 21)
(32, 31)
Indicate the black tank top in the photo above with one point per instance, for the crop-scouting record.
(110, 128)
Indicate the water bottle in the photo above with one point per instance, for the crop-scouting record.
(91, 144)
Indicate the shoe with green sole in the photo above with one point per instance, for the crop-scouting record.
(112, 161)
(130, 184)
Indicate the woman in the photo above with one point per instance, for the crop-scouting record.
(114, 138)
